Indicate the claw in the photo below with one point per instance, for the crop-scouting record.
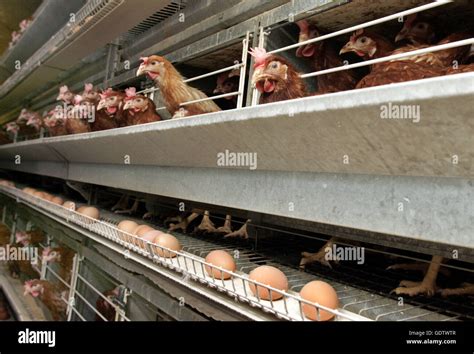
(183, 222)
(242, 232)
(206, 225)
(319, 256)
(226, 228)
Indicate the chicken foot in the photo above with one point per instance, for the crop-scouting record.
(416, 266)
(206, 225)
(130, 211)
(227, 227)
(122, 203)
(242, 232)
(427, 286)
(319, 256)
(183, 224)
(465, 289)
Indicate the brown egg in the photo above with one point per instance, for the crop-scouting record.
(151, 235)
(80, 209)
(168, 241)
(322, 293)
(221, 259)
(39, 194)
(271, 276)
(48, 196)
(128, 226)
(90, 212)
(28, 190)
(142, 230)
(69, 205)
(57, 200)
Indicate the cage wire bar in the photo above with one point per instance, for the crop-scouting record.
(289, 307)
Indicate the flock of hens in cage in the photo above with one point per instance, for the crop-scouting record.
(276, 79)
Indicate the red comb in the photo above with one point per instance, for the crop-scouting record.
(260, 55)
(130, 93)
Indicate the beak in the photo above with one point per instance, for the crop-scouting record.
(401, 36)
(216, 91)
(141, 69)
(59, 98)
(101, 105)
(128, 105)
(347, 48)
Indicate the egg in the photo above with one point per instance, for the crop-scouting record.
(39, 194)
(80, 209)
(48, 196)
(28, 190)
(69, 205)
(271, 276)
(221, 259)
(168, 241)
(150, 236)
(142, 230)
(322, 293)
(90, 212)
(57, 200)
(128, 226)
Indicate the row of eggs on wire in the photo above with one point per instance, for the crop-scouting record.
(315, 291)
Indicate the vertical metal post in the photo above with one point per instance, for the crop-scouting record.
(243, 70)
(12, 235)
(4, 214)
(72, 286)
(261, 44)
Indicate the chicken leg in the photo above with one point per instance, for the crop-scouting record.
(242, 232)
(130, 211)
(206, 225)
(227, 227)
(319, 256)
(465, 289)
(417, 266)
(122, 202)
(183, 224)
(427, 286)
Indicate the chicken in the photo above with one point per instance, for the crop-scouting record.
(28, 238)
(421, 32)
(50, 294)
(65, 95)
(174, 90)
(370, 46)
(35, 121)
(140, 108)
(4, 138)
(275, 78)
(90, 94)
(227, 82)
(4, 235)
(55, 122)
(416, 30)
(4, 313)
(104, 307)
(111, 103)
(22, 268)
(324, 55)
(78, 118)
(61, 255)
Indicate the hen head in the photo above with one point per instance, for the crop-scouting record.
(133, 102)
(153, 66)
(111, 101)
(23, 117)
(307, 31)
(65, 95)
(22, 238)
(227, 82)
(51, 255)
(12, 127)
(33, 287)
(271, 72)
(90, 94)
(34, 121)
(416, 31)
(368, 45)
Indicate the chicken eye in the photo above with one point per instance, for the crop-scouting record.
(421, 25)
(363, 40)
(274, 65)
(154, 63)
